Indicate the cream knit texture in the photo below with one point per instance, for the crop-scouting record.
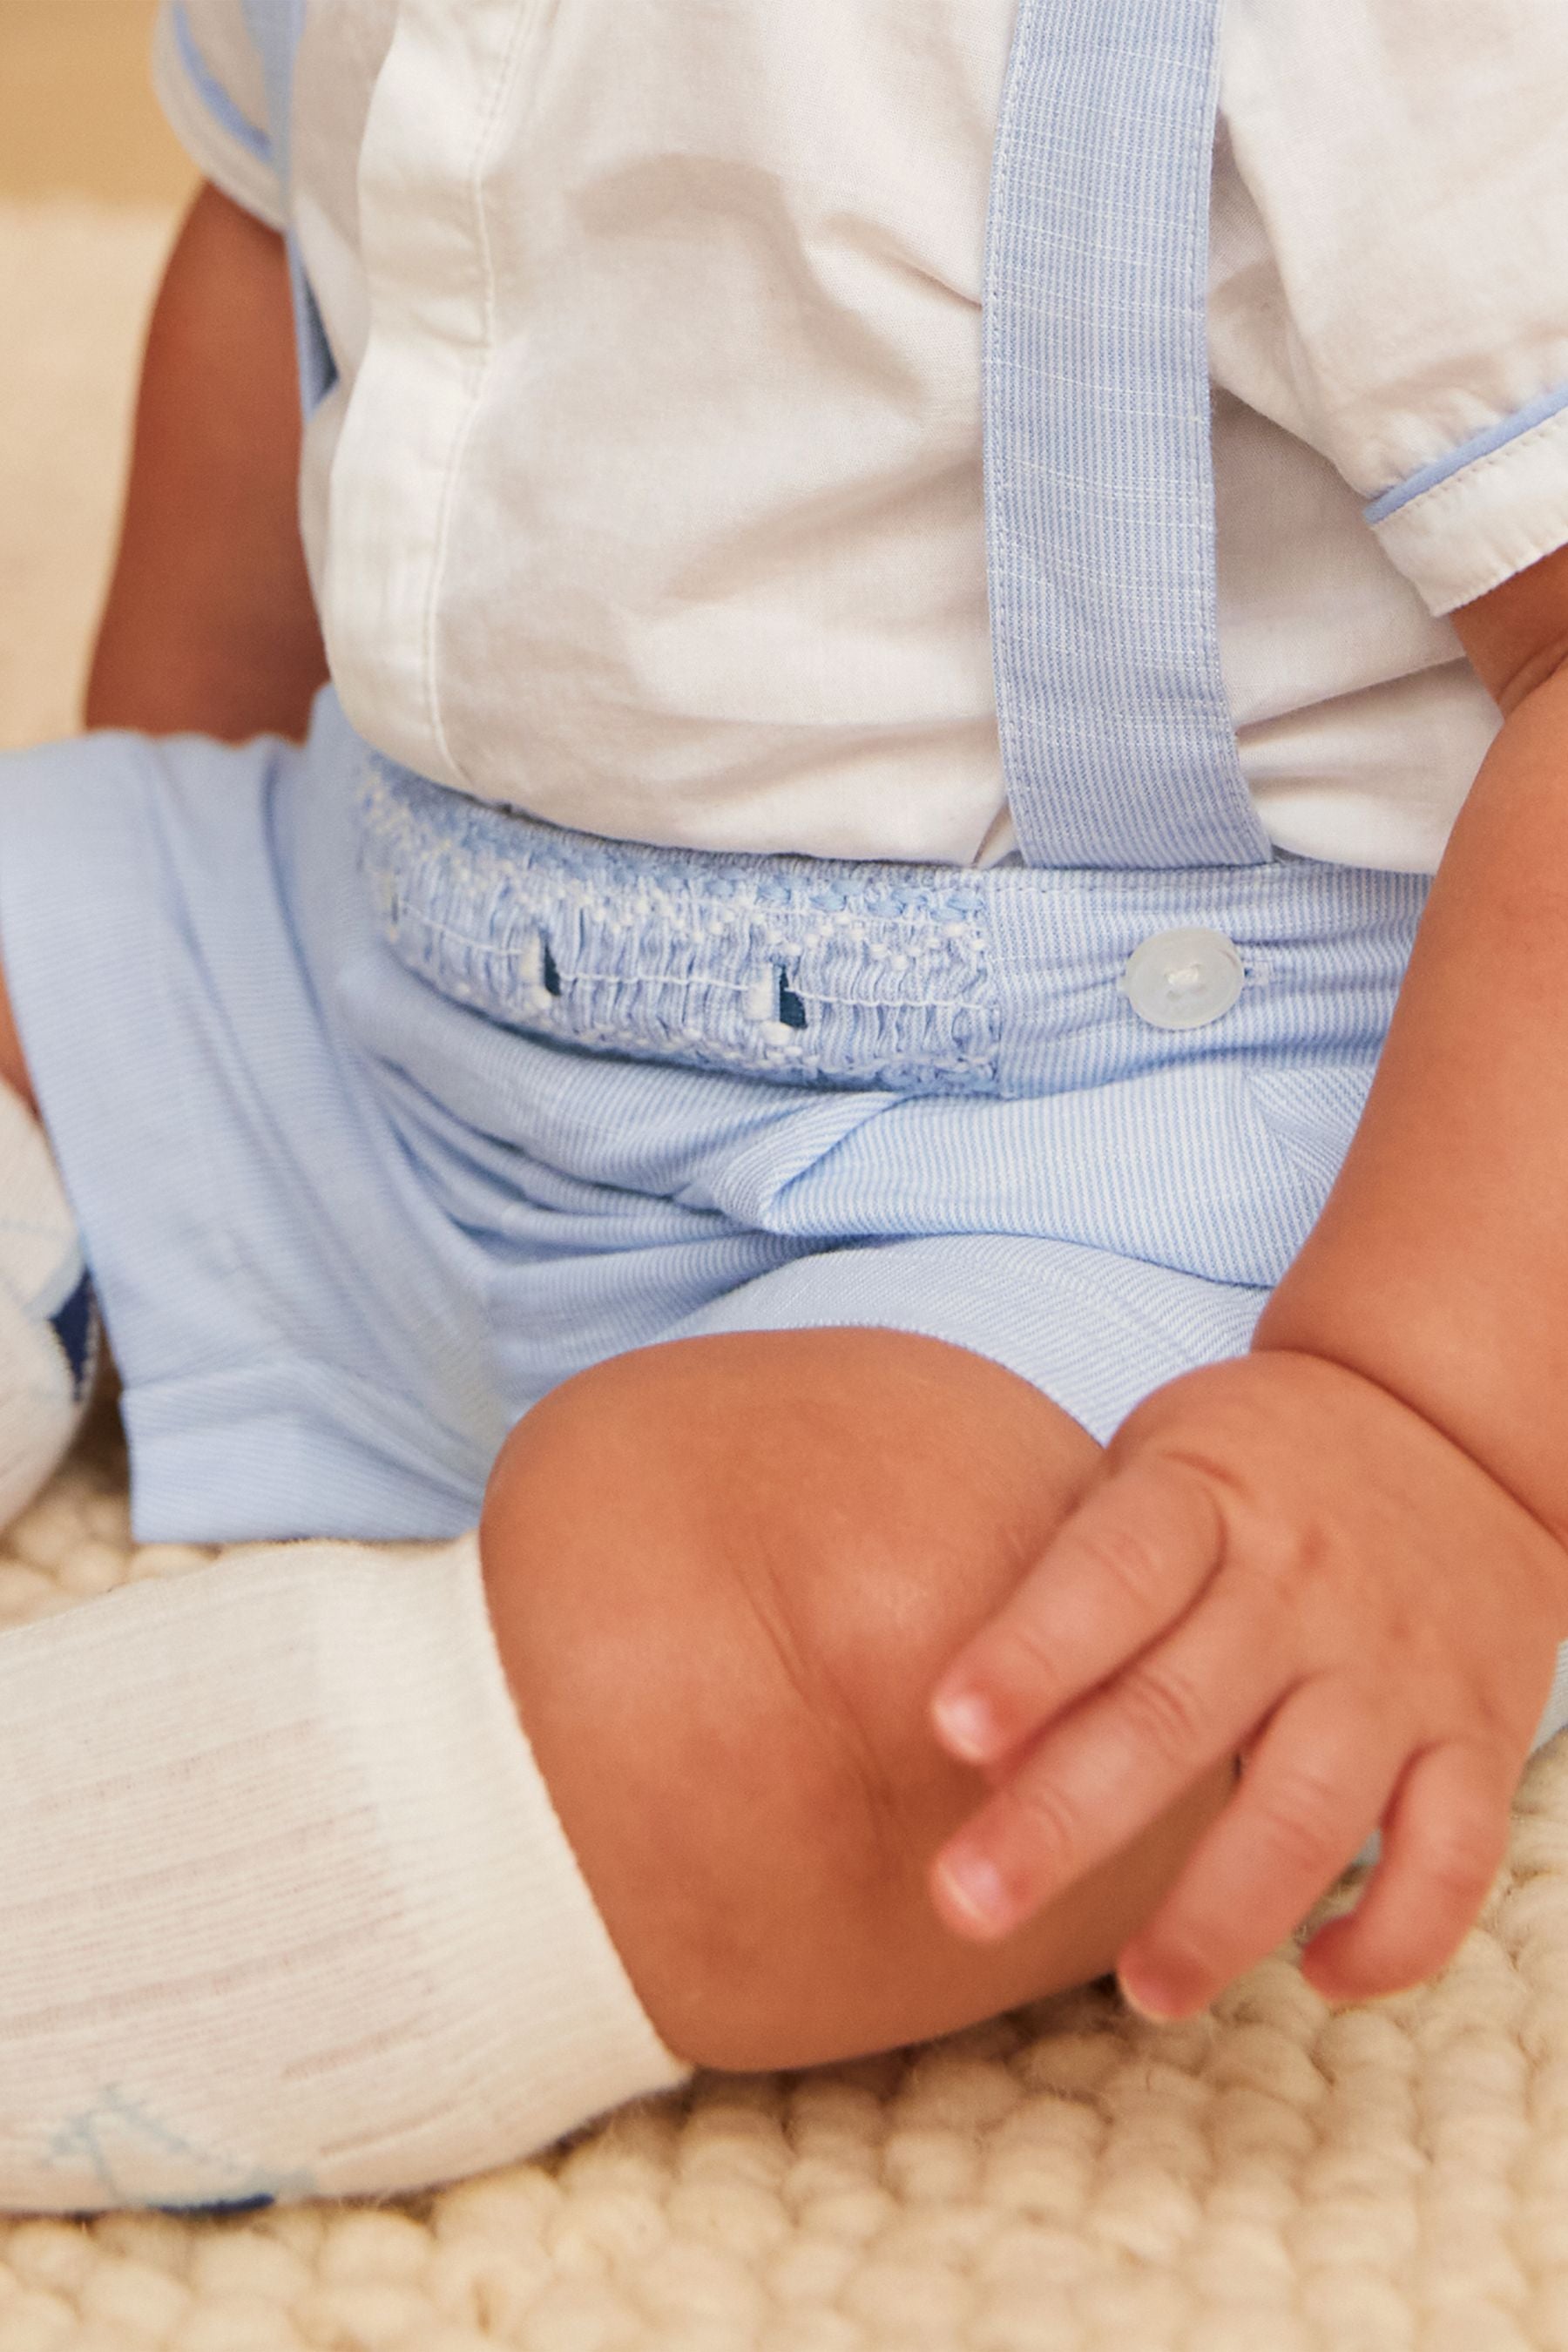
(1275, 2177)
(287, 1909)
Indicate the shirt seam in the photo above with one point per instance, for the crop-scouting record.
(517, 46)
(1482, 452)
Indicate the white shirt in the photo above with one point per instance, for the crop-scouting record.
(649, 496)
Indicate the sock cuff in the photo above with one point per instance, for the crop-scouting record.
(535, 1999)
(289, 1908)
(583, 1979)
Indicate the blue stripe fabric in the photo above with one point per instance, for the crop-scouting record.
(917, 979)
(1117, 736)
(392, 1109)
(362, 1173)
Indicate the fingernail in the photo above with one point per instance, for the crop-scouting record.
(975, 1886)
(1148, 2000)
(966, 1725)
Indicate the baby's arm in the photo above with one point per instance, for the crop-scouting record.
(1440, 1265)
(1345, 1557)
(209, 625)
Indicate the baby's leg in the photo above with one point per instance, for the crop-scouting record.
(289, 1906)
(725, 1576)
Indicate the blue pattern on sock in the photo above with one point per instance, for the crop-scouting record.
(75, 1326)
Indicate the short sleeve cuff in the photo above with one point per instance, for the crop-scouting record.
(1491, 507)
(232, 152)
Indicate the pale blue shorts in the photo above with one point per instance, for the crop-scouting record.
(384, 1111)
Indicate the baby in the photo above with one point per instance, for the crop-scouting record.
(776, 1077)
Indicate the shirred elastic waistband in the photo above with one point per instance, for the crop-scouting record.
(917, 979)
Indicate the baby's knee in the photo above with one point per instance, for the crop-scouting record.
(725, 1576)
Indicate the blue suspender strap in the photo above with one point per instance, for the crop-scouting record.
(1117, 736)
(276, 28)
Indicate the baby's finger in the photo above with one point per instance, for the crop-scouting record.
(1443, 1843)
(1120, 1570)
(1114, 1765)
(1316, 1784)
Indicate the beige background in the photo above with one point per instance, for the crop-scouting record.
(91, 181)
(76, 113)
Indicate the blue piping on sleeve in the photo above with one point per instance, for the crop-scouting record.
(212, 93)
(1481, 445)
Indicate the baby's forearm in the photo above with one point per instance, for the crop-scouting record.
(1440, 1265)
(208, 625)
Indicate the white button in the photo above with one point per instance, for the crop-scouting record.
(1182, 979)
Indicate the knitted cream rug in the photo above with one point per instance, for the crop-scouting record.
(1273, 2177)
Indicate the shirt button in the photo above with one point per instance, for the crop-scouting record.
(1182, 979)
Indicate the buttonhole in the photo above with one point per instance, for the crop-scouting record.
(792, 1009)
(549, 972)
(225, 2205)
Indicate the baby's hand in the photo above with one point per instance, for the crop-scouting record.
(1282, 1563)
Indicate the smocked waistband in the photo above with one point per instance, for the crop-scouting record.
(920, 978)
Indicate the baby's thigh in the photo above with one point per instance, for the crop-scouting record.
(725, 1576)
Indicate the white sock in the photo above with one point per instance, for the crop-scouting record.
(285, 1909)
(49, 1323)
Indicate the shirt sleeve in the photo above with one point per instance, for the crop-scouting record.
(210, 83)
(1408, 161)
